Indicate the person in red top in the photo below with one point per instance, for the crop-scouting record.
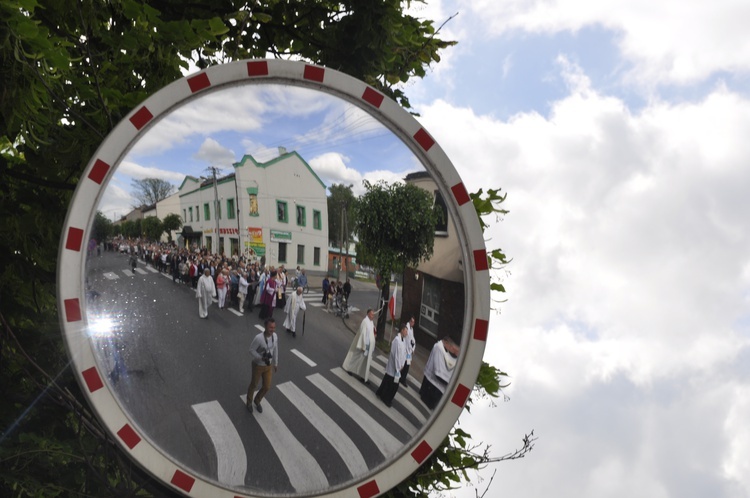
(268, 297)
(222, 285)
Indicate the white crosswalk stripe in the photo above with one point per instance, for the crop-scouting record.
(303, 358)
(345, 447)
(303, 470)
(394, 415)
(230, 453)
(383, 439)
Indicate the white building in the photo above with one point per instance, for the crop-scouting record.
(165, 207)
(276, 211)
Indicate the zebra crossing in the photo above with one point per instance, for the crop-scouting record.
(303, 465)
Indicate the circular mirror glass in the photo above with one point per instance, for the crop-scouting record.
(245, 154)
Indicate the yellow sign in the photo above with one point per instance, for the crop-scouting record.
(256, 235)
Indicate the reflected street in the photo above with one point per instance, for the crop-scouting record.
(183, 381)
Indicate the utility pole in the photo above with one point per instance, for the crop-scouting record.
(240, 251)
(346, 232)
(341, 242)
(217, 212)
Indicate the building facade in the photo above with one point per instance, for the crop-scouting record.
(275, 212)
(165, 207)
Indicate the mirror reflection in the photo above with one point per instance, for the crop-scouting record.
(240, 206)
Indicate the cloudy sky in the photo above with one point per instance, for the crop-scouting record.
(618, 130)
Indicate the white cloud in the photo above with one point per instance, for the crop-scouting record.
(667, 41)
(736, 464)
(215, 154)
(138, 172)
(332, 168)
(117, 199)
(629, 284)
(237, 109)
(247, 108)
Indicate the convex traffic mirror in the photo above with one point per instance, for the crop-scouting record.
(251, 148)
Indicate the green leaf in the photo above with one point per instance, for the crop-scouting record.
(262, 17)
(217, 26)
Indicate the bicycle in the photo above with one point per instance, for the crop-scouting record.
(305, 288)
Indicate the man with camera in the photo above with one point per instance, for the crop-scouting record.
(264, 351)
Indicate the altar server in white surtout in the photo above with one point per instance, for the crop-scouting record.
(295, 303)
(204, 292)
(359, 357)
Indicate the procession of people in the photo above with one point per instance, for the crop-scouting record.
(233, 282)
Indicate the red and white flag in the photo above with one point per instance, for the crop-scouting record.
(392, 303)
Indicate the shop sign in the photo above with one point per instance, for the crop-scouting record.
(278, 236)
(255, 250)
(256, 235)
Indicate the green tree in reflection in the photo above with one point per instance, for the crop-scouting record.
(396, 229)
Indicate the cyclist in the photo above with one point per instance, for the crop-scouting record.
(302, 280)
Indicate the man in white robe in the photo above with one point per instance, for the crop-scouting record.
(204, 292)
(359, 357)
(295, 303)
(396, 361)
(242, 291)
(438, 371)
(410, 347)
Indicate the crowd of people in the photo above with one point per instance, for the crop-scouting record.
(336, 293)
(234, 281)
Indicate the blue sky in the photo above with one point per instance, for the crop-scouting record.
(518, 73)
(618, 131)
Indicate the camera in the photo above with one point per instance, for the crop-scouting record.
(267, 356)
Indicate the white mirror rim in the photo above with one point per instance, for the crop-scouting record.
(101, 167)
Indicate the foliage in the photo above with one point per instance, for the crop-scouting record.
(396, 229)
(103, 227)
(149, 191)
(490, 205)
(395, 226)
(170, 223)
(152, 227)
(340, 199)
(130, 229)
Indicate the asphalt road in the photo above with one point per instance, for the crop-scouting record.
(183, 382)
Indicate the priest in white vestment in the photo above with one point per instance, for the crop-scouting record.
(438, 371)
(359, 357)
(295, 303)
(205, 291)
(396, 361)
